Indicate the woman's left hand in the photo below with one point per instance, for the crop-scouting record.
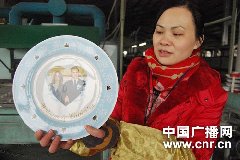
(98, 133)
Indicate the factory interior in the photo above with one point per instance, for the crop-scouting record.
(123, 29)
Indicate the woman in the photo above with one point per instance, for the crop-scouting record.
(172, 86)
(56, 87)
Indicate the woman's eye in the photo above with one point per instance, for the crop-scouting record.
(177, 34)
(159, 32)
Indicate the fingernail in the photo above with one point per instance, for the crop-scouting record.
(51, 131)
(51, 151)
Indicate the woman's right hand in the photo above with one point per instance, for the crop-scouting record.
(52, 140)
(95, 138)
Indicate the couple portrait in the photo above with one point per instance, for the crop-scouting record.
(67, 84)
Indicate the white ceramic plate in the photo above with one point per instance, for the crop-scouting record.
(65, 83)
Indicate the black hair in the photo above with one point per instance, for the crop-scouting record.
(193, 7)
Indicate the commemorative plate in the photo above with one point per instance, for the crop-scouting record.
(65, 83)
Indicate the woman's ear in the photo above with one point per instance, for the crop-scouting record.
(199, 42)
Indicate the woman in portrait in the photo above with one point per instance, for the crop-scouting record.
(56, 86)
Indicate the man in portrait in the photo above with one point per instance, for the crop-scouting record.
(73, 87)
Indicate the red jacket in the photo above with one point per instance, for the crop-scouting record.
(197, 101)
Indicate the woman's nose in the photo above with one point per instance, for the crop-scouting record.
(165, 40)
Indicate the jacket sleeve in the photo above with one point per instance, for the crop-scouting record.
(143, 142)
(211, 102)
(90, 145)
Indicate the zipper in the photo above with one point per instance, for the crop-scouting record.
(150, 97)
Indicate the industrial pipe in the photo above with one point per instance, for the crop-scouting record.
(89, 10)
(15, 15)
(237, 64)
(232, 38)
(58, 11)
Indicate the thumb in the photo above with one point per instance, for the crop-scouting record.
(99, 133)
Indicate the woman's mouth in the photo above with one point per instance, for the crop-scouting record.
(162, 53)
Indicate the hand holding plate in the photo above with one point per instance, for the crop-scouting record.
(99, 133)
(52, 140)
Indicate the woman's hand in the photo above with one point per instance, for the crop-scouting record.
(52, 140)
(98, 133)
(95, 138)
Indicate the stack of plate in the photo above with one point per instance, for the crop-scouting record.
(232, 82)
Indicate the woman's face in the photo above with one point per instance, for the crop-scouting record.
(57, 77)
(174, 37)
